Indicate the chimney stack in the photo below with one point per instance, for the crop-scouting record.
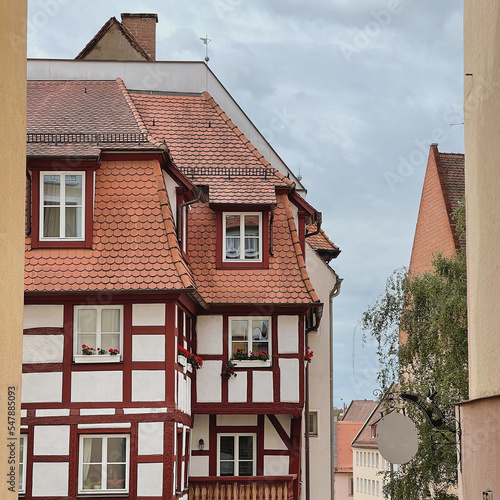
(143, 28)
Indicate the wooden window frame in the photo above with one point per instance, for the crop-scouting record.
(236, 435)
(251, 363)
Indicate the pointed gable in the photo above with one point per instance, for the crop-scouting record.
(443, 187)
(114, 42)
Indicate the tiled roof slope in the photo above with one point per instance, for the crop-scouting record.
(130, 248)
(207, 147)
(453, 165)
(359, 410)
(65, 116)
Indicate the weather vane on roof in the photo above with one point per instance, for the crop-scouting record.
(206, 41)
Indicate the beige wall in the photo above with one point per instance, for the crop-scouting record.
(12, 187)
(368, 466)
(482, 176)
(479, 417)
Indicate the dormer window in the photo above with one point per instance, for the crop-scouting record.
(242, 237)
(61, 203)
(62, 206)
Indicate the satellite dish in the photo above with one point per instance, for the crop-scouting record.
(397, 438)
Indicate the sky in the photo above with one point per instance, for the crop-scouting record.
(350, 94)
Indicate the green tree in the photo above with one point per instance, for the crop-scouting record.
(431, 309)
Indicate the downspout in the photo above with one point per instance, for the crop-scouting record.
(180, 208)
(334, 293)
(28, 205)
(306, 444)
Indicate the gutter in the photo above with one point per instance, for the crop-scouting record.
(199, 195)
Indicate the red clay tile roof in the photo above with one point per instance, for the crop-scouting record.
(106, 27)
(359, 410)
(320, 241)
(80, 118)
(134, 246)
(210, 150)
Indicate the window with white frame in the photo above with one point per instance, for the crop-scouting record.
(98, 331)
(242, 236)
(23, 447)
(104, 463)
(249, 336)
(62, 210)
(236, 455)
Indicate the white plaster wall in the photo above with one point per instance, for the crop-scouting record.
(148, 348)
(278, 465)
(43, 348)
(288, 334)
(200, 431)
(150, 440)
(272, 440)
(97, 411)
(208, 382)
(209, 334)
(286, 422)
(170, 184)
(148, 385)
(97, 387)
(236, 420)
(289, 380)
(199, 466)
(51, 440)
(52, 412)
(148, 314)
(150, 480)
(42, 387)
(50, 479)
(262, 390)
(237, 388)
(40, 316)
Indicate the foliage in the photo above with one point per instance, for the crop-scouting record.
(228, 370)
(431, 309)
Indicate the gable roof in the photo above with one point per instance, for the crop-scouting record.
(210, 150)
(106, 28)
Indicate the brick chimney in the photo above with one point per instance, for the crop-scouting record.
(143, 27)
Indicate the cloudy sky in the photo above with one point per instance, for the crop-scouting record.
(360, 89)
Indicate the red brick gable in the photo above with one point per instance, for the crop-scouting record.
(435, 230)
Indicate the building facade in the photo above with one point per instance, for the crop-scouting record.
(176, 280)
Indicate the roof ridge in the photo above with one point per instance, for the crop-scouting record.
(298, 250)
(244, 139)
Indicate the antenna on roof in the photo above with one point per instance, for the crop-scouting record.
(206, 41)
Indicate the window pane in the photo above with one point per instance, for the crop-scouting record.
(227, 468)
(245, 447)
(73, 189)
(110, 341)
(252, 237)
(51, 189)
(51, 222)
(92, 450)
(260, 329)
(232, 223)
(226, 447)
(241, 346)
(116, 477)
(117, 450)
(87, 320)
(239, 329)
(110, 320)
(245, 469)
(73, 222)
(91, 477)
(88, 340)
(260, 346)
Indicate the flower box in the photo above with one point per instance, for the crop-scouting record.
(181, 360)
(251, 363)
(97, 358)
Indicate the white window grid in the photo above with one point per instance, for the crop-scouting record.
(242, 237)
(236, 450)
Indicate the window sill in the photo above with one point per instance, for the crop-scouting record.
(251, 363)
(96, 358)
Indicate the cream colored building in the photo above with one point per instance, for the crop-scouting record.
(480, 416)
(12, 161)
